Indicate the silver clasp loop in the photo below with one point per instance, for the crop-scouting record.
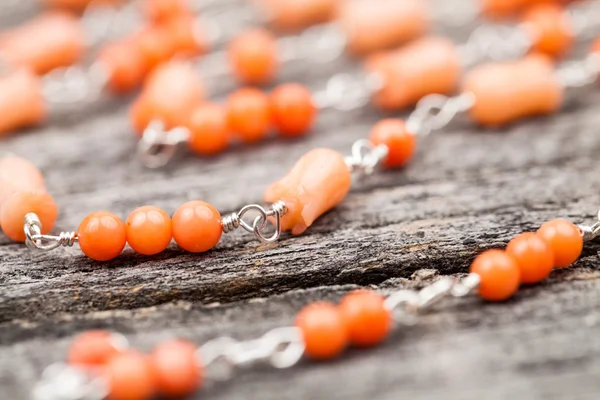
(589, 233)
(157, 146)
(35, 240)
(235, 220)
(365, 156)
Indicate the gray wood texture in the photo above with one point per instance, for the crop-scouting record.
(468, 190)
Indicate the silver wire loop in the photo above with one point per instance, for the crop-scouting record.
(347, 92)
(257, 227)
(412, 302)
(158, 146)
(365, 157)
(495, 42)
(35, 240)
(590, 232)
(69, 87)
(64, 382)
(576, 74)
(435, 111)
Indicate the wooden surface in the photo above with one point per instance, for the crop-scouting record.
(468, 190)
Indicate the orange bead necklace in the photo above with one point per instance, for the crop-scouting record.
(321, 331)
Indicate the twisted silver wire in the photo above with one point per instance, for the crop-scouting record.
(235, 220)
(35, 240)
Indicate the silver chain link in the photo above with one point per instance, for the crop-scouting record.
(35, 240)
(365, 157)
(258, 227)
(580, 73)
(158, 145)
(347, 92)
(590, 232)
(435, 111)
(495, 42)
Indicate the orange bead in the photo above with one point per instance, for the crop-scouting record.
(125, 64)
(550, 29)
(533, 256)
(159, 11)
(129, 377)
(209, 133)
(498, 273)
(17, 174)
(102, 236)
(93, 348)
(176, 369)
(596, 47)
(323, 330)
(296, 15)
(565, 240)
(77, 5)
(156, 45)
(22, 102)
(170, 94)
(19, 204)
(367, 320)
(319, 181)
(197, 226)
(186, 37)
(401, 143)
(52, 40)
(253, 56)
(148, 230)
(292, 109)
(248, 114)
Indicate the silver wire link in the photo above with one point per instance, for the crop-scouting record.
(69, 87)
(236, 220)
(346, 92)
(590, 232)
(411, 302)
(64, 382)
(580, 73)
(586, 18)
(280, 347)
(495, 42)
(319, 44)
(35, 240)
(365, 156)
(157, 145)
(435, 111)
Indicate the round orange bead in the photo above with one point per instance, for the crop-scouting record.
(209, 133)
(323, 330)
(155, 44)
(248, 114)
(533, 256)
(14, 209)
(367, 320)
(93, 348)
(565, 240)
(292, 109)
(197, 226)
(185, 37)
(253, 56)
(17, 174)
(498, 273)
(401, 143)
(175, 367)
(102, 236)
(159, 11)
(129, 377)
(550, 29)
(148, 230)
(125, 64)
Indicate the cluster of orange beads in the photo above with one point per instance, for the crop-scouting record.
(528, 258)
(174, 370)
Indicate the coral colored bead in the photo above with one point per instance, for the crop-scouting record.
(533, 256)
(156, 45)
(367, 320)
(170, 94)
(209, 133)
(176, 370)
(530, 86)
(102, 236)
(253, 56)
(125, 65)
(292, 109)
(19, 204)
(319, 181)
(22, 102)
(129, 377)
(550, 29)
(18, 175)
(93, 348)
(401, 144)
(159, 11)
(186, 37)
(52, 40)
(498, 273)
(248, 114)
(565, 240)
(596, 47)
(77, 5)
(197, 226)
(370, 26)
(425, 66)
(295, 15)
(148, 230)
(323, 330)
